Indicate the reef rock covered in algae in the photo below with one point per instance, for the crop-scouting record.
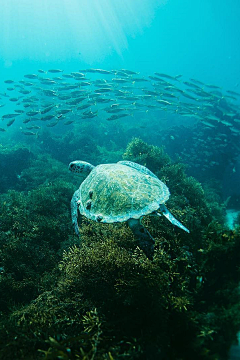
(103, 298)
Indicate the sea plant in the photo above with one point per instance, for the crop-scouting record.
(104, 299)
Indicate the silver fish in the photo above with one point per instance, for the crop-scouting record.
(10, 122)
(55, 71)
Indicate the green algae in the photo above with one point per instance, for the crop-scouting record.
(103, 298)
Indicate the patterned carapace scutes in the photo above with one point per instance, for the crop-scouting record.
(124, 191)
(116, 193)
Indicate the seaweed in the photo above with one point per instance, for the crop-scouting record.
(13, 161)
(100, 297)
(33, 226)
(150, 156)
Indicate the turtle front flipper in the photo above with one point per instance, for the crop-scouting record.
(171, 218)
(74, 211)
(145, 240)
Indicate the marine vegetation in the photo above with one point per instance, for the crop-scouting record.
(13, 160)
(102, 298)
(82, 143)
(31, 236)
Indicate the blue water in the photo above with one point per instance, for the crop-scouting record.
(196, 39)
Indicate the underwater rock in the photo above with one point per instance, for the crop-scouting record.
(231, 218)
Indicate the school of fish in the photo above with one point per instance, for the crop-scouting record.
(54, 97)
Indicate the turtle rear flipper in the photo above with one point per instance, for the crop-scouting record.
(74, 211)
(145, 240)
(171, 218)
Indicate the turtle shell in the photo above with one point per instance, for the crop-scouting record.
(116, 193)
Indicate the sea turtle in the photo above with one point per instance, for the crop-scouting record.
(123, 191)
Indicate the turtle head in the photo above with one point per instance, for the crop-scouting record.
(80, 167)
